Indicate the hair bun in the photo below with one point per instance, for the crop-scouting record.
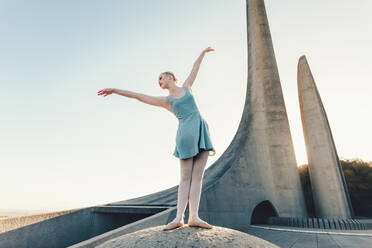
(172, 74)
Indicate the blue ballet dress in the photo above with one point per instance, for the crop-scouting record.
(193, 132)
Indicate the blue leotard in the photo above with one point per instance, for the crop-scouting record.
(193, 132)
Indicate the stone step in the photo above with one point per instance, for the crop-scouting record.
(322, 223)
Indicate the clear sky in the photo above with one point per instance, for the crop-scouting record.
(62, 146)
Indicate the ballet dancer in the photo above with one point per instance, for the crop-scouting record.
(193, 143)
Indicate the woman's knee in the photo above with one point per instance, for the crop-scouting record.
(186, 175)
(197, 175)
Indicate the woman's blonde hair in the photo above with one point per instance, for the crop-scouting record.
(172, 74)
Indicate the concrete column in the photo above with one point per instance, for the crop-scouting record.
(330, 193)
(269, 112)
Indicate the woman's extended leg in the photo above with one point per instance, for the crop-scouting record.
(183, 192)
(195, 190)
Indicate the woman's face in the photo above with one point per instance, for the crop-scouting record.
(164, 80)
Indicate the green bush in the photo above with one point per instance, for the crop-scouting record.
(358, 177)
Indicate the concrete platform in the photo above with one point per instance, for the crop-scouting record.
(292, 237)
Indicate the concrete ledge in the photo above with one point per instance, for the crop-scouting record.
(129, 209)
(59, 231)
(12, 223)
(161, 218)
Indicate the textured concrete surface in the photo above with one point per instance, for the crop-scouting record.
(330, 193)
(187, 237)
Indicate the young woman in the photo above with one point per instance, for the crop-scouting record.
(193, 143)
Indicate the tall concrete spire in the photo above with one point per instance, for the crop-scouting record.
(330, 193)
(257, 176)
(268, 138)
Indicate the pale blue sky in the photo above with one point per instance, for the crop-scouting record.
(62, 146)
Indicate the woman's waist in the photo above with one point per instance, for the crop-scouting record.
(185, 116)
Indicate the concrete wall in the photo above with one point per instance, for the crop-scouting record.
(161, 218)
(67, 229)
(59, 231)
(11, 223)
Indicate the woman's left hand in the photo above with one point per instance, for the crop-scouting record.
(106, 92)
(208, 49)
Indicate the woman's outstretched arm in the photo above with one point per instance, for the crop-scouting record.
(160, 101)
(195, 69)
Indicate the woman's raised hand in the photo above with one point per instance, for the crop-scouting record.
(106, 92)
(208, 49)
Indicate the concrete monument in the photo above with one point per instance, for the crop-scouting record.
(330, 193)
(254, 181)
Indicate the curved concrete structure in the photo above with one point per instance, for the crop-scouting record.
(259, 165)
(330, 193)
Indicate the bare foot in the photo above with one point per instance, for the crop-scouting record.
(173, 224)
(199, 222)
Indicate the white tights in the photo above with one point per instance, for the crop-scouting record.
(189, 189)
